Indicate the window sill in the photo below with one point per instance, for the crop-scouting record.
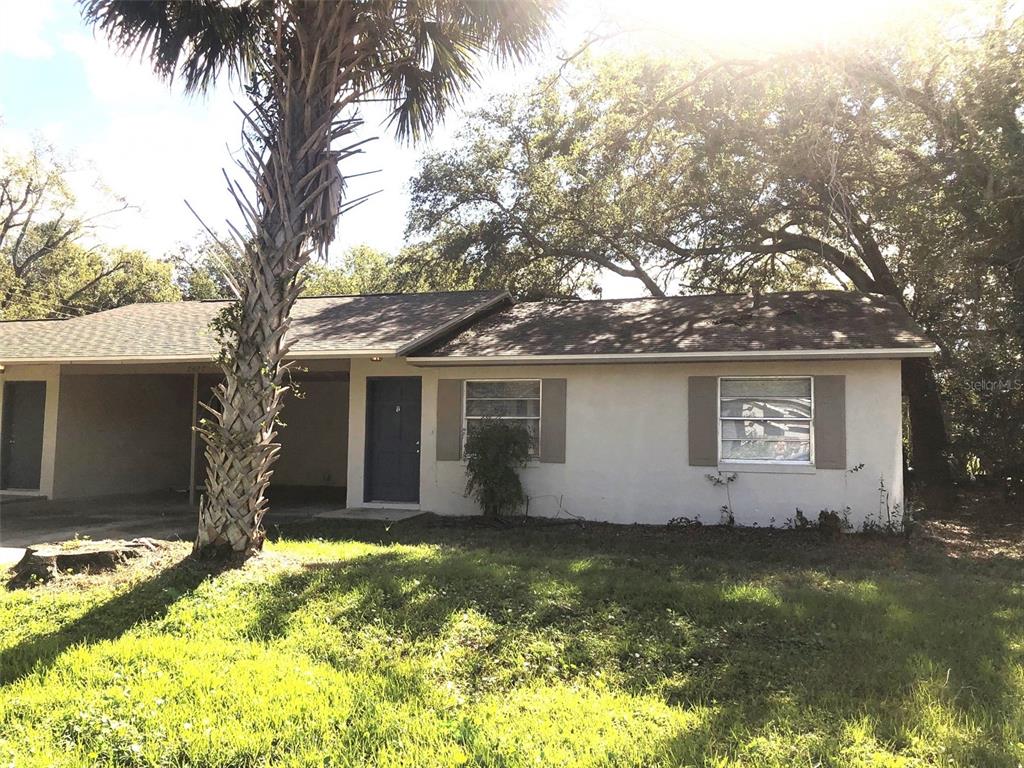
(767, 468)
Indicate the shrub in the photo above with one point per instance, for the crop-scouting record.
(829, 524)
(801, 523)
(832, 524)
(495, 451)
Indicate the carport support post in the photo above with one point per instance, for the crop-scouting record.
(192, 456)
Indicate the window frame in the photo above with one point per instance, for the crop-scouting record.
(466, 418)
(765, 462)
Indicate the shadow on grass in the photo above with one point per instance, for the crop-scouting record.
(144, 601)
(763, 644)
(720, 549)
(763, 633)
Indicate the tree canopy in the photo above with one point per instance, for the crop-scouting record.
(51, 263)
(893, 169)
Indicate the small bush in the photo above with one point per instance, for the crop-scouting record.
(899, 521)
(831, 524)
(685, 522)
(495, 451)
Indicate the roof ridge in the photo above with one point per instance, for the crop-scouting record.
(721, 295)
(361, 295)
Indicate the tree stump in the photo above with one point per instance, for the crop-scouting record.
(46, 561)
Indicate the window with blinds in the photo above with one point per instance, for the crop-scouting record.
(512, 400)
(766, 419)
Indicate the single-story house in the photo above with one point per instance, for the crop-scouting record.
(641, 410)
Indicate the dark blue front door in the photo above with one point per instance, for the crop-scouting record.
(21, 451)
(393, 439)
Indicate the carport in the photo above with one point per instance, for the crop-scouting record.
(129, 430)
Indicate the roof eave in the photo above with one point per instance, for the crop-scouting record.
(330, 354)
(678, 357)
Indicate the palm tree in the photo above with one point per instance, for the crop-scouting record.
(307, 65)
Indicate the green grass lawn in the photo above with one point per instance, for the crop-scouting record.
(436, 644)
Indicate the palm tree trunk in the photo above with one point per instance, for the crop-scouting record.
(294, 170)
(241, 447)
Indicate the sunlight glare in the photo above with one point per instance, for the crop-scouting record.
(760, 26)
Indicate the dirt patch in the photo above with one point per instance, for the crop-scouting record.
(88, 564)
(980, 524)
(47, 562)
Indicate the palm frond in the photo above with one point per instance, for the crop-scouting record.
(196, 40)
(425, 53)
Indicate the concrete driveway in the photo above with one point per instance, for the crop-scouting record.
(164, 516)
(27, 522)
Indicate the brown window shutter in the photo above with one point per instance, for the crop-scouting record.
(702, 407)
(552, 421)
(830, 422)
(449, 419)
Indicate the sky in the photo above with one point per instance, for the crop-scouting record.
(127, 134)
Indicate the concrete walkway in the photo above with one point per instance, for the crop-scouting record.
(163, 516)
(386, 515)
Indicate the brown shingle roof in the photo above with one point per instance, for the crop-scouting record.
(180, 330)
(797, 321)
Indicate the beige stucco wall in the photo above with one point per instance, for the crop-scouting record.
(626, 453)
(51, 375)
(122, 434)
(626, 450)
(314, 440)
